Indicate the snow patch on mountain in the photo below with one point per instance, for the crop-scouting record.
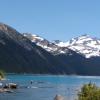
(49, 46)
(84, 45)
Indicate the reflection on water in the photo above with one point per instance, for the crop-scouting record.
(39, 87)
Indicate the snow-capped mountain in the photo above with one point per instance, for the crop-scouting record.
(28, 53)
(45, 44)
(85, 45)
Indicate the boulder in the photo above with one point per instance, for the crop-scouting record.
(58, 97)
(5, 90)
(10, 86)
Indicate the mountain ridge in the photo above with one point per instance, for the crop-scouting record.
(84, 44)
(18, 54)
(27, 53)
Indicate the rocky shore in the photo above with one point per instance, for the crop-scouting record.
(8, 87)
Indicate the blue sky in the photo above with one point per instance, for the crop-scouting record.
(53, 19)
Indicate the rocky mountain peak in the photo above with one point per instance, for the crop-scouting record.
(3, 27)
(85, 45)
(7, 29)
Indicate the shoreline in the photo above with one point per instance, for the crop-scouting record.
(52, 75)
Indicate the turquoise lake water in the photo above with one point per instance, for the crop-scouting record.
(45, 87)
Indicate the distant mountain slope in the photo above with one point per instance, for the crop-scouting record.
(19, 54)
(81, 54)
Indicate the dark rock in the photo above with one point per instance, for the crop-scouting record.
(11, 86)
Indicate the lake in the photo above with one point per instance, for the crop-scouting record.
(45, 87)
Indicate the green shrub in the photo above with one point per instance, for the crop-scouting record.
(89, 92)
(2, 74)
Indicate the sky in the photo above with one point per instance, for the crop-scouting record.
(53, 19)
